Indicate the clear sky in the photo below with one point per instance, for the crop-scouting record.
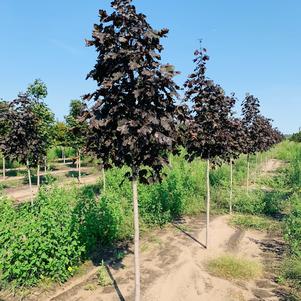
(254, 46)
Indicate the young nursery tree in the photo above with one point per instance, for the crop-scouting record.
(3, 130)
(45, 134)
(250, 110)
(77, 130)
(61, 137)
(267, 136)
(21, 141)
(211, 112)
(235, 145)
(37, 91)
(132, 117)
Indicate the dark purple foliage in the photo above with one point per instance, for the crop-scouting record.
(132, 118)
(211, 127)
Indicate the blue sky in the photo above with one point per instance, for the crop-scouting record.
(254, 46)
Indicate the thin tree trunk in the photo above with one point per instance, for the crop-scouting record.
(29, 181)
(45, 164)
(256, 166)
(63, 155)
(103, 179)
(231, 185)
(79, 167)
(261, 159)
(248, 173)
(136, 241)
(38, 175)
(3, 166)
(208, 203)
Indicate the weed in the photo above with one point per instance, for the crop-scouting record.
(103, 277)
(90, 287)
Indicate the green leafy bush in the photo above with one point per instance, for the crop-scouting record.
(38, 242)
(292, 226)
(250, 203)
(291, 271)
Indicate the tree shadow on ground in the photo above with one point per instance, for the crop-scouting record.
(178, 223)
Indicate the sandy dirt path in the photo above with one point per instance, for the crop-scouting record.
(22, 194)
(173, 268)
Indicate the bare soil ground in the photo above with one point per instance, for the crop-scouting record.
(64, 172)
(22, 193)
(271, 166)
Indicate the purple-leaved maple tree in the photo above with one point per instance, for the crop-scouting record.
(209, 130)
(131, 114)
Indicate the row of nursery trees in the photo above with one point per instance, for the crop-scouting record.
(28, 129)
(132, 118)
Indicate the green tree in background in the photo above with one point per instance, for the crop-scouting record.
(61, 137)
(296, 137)
(37, 92)
(77, 130)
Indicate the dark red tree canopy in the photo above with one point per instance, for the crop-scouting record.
(211, 126)
(132, 117)
(21, 141)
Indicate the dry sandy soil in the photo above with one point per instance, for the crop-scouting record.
(271, 166)
(174, 268)
(22, 193)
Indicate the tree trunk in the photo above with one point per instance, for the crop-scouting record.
(208, 203)
(261, 159)
(38, 175)
(103, 179)
(136, 241)
(29, 181)
(3, 167)
(231, 186)
(248, 173)
(45, 164)
(256, 166)
(63, 155)
(79, 167)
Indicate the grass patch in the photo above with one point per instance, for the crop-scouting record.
(103, 276)
(260, 223)
(230, 267)
(290, 275)
(291, 271)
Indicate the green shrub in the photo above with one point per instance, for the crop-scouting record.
(291, 271)
(292, 225)
(56, 153)
(249, 203)
(37, 241)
